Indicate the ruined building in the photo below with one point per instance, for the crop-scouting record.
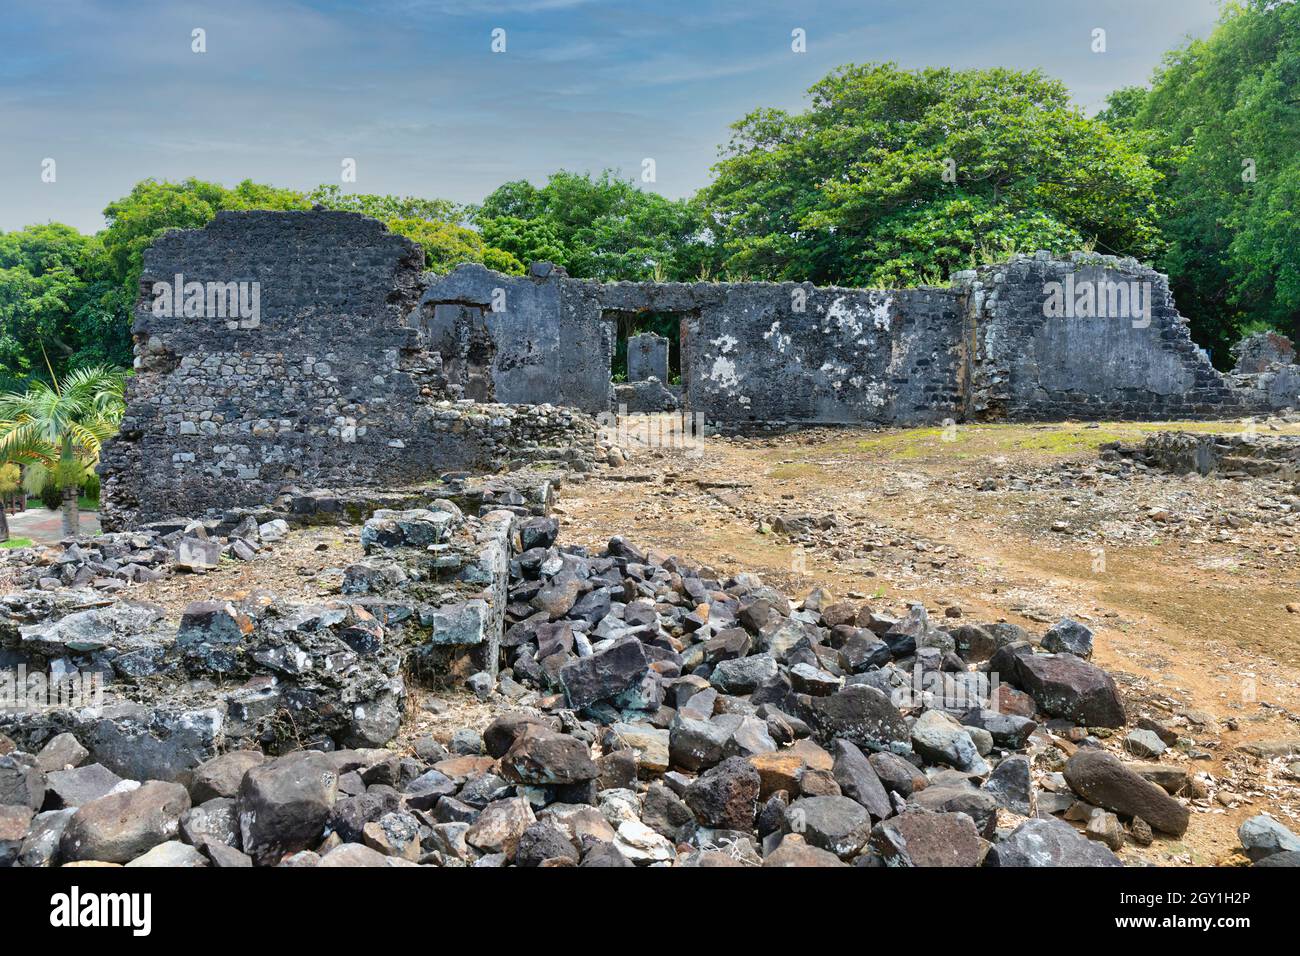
(356, 368)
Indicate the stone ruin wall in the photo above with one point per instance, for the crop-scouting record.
(1029, 365)
(762, 354)
(361, 370)
(326, 387)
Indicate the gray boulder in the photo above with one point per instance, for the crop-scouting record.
(283, 805)
(1263, 836)
(121, 826)
(1046, 841)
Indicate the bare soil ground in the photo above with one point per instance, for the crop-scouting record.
(1186, 580)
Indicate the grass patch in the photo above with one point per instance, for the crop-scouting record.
(912, 443)
(799, 469)
(17, 543)
(968, 441)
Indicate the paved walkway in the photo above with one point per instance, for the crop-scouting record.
(45, 526)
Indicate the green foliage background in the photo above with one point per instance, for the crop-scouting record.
(889, 177)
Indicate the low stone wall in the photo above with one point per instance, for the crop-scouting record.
(429, 594)
(1225, 456)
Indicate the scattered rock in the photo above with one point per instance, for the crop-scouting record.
(1100, 778)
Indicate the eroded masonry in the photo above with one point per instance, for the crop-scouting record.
(360, 369)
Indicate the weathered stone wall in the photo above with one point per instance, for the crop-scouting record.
(1107, 360)
(528, 339)
(647, 357)
(760, 354)
(751, 352)
(352, 373)
(327, 386)
(800, 354)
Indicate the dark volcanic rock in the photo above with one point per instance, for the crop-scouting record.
(1011, 785)
(1008, 730)
(726, 796)
(538, 532)
(794, 851)
(15, 819)
(284, 805)
(923, 838)
(1066, 686)
(604, 675)
(858, 780)
(72, 788)
(546, 758)
(897, 774)
(981, 807)
(1101, 779)
(22, 781)
(835, 824)
(1070, 637)
(221, 776)
(742, 675)
(121, 826)
(862, 715)
(542, 841)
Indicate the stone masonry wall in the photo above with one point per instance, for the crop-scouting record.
(327, 386)
(767, 354)
(800, 354)
(357, 369)
(527, 339)
(1028, 363)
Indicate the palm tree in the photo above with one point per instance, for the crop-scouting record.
(56, 430)
(11, 479)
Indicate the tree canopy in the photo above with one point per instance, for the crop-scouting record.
(597, 227)
(898, 176)
(1221, 121)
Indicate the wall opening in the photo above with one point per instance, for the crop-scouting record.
(628, 326)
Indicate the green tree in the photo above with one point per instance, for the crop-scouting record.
(11, 479)
(387, 208)
(56, 430)
(1222, 122)
(52, 289)
(600, 227)
(895, 177)
(447, 244)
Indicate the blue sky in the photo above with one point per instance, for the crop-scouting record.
(410, 89)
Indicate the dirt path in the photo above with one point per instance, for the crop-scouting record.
(1186, 580)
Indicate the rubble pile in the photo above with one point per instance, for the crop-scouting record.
(1246, 455)
(646, 712)
(261, 670)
